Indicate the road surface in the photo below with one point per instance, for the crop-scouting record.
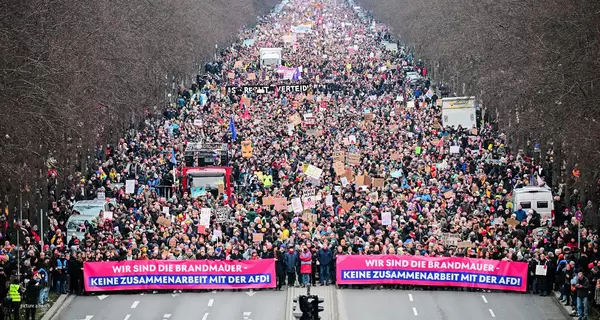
(258, 305)
(444, 305)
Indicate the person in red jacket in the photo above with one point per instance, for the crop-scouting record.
(305, 265)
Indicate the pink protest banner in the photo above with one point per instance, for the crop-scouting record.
(432, 271)
(178, 275)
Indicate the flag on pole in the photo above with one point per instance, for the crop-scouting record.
(173, 157)
(232, 129)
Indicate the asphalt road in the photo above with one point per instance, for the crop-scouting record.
(444, 305)
(258, 305)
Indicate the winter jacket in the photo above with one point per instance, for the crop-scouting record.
(290, 260)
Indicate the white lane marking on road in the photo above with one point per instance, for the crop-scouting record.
(492, 313)
(127, 317)
(167, 315)
(415, 311)
(251, 292)
(484, 299)
(205, 316)
(88, 318)
(102, 297)
(410, 297)
(247, 315)
(134, 305)
(210, 302)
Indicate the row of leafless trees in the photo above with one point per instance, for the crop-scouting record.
(534, 64)
(75, 74)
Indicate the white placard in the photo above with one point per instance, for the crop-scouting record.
(205, 216)
(352, 139)
(541, 270)
(386, 218)
(198, 122)
(165, 210)
(344, 181)
(313, 171)
(454, 149)
(101, 196)
(108, 215)
(329, 200)
(297, 205)
(130, 186)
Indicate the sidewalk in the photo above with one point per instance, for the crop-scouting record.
(568, 311)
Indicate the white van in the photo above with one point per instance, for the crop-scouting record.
(536, 198)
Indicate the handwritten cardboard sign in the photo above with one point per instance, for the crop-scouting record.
(378, 182)
(339, 168)
(339, 156)
(257, 237)
(353, 159)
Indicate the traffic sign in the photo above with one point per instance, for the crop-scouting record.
(578, 215)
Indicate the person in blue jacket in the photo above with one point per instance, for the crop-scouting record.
(325, 257)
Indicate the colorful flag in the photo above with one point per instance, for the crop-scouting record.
(232, 129)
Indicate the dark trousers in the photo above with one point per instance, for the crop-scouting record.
(280, 279)
(30, 313)
(291, 279)
(16, 310)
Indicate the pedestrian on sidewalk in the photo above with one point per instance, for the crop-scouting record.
(583, 288)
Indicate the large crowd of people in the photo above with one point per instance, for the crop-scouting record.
(363, 105)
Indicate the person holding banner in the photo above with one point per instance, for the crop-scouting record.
(291, 261)
(305, 265)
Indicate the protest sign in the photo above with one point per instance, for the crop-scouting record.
(450, 239)
(130, 186)
(354, 159)
(257, 237)
(386, 218)
(347, 205)
(205, 216)
(163, 221)
(144, 275)
(308, 202)
(295, 119)
(222, 214)
(431, 271)
(512, 222)
(339, 156)
(378, 182)
(247, 149)
(297, 205)
(280, 204)
(339, 168)
(313, 172)
(363, 180)
(329, 200)
(198, 191)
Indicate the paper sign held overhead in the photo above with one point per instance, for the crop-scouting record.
(247, 149)
(313, 172)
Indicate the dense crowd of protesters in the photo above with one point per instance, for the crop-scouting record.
(367, 107)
